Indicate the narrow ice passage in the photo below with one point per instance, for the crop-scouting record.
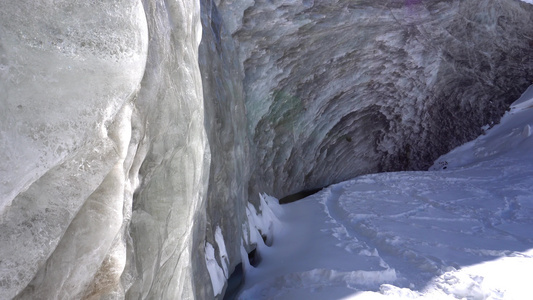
(463, 229)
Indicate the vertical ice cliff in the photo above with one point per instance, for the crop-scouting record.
(133, 133)
(225, 121)
(168, 210)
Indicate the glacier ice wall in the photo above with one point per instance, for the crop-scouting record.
(225, 121)
(133, 133)
(339, 88)
(105, 159)
(173, 155)
(68, 83)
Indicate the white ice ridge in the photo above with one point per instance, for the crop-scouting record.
(263, 224)
(223, 254)
(218, 278)
(462, 230)
(217, 272)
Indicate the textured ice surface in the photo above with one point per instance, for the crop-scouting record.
(461, 231)
(129, 130)
(336, 89)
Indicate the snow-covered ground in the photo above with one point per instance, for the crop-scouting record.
(464, 229)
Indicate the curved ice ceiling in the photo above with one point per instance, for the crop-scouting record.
(340, 88)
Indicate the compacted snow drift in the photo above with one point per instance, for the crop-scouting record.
(464, 229)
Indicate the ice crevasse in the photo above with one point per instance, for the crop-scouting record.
(137, 136)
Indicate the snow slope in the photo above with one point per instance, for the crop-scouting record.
(464, 229)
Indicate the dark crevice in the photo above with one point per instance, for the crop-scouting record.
(298, 196)
(236, 279)
(254, 258)
(266, 239)
(235, 282)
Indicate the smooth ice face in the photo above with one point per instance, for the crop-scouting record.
(93, 112)
(66, 70)
(68, 73)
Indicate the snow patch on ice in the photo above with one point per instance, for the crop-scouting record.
(263, 223)
(218, 273)
(218, 279)
(223, 254)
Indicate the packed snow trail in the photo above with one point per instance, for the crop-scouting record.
(462, 230)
